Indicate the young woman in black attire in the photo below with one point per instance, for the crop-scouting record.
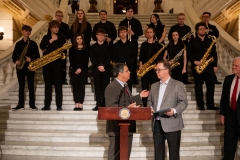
(174, 47)
(148, 49)
(78, 56)
(159, 28)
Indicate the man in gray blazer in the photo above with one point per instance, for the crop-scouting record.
(168, 93)
(117, 94)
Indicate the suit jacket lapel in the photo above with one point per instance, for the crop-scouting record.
(169, 86)
(156, 95)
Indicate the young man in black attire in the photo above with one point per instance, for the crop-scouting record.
(26, 51)
(124, 52)
(52, 72)
(183, 30)
(197, 48)
(211, 30)
(64, 30)
(135, 30)
(108, 26)
(100, 56)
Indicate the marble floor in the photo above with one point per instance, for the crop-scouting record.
(10, 157)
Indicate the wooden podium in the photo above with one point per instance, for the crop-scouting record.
(124, 116)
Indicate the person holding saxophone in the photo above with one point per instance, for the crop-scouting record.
(176, 54)
(24, 52)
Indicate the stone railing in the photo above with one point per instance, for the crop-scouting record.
(227, 47)
(8, 76)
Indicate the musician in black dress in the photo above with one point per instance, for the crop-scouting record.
(78, 56)
(25, 50)
(176, 46)
(100, 56)
(159, 28)
(52, 72)
(124, 52)
(149, 49)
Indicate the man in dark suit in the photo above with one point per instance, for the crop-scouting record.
(168, 93)
(114, 97)
(230, 111)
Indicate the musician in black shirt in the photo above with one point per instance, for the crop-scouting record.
(64, 30)
(176, 46)
(26, 51)
(100, 56)
(78, 56)
(124, 52)
(196, 49)
(149, 49)
(52, 72)
(111, 33)
(135, 30)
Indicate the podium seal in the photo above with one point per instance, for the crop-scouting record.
(124, 113)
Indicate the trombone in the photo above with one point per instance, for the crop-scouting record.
(129, 34)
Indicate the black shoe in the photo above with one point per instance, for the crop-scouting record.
(187, 82)
(213, 108)
(95, 108)
(59, 108)
(80, 109)
(217, 82)
(18, 107)
(75, 109)
(33, 107)
(45, 108)
(200, 108)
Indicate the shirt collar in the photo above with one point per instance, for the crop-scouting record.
(165, 82)
(121, 83)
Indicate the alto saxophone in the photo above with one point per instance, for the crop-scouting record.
(174, 61)
(146, 67)
(44, 60)
(23, 56)
(185, 36)
(205, 62)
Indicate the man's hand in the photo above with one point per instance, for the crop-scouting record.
(189, 36)
(144, 93)
(101, 68)
(215, 69)
(198, 63)
(54, 38)
(170, 113)
(133, 105)
(28, 59)
(222, 118)
(108, 40)
(17, 62)
(78, 71)
(152, 110)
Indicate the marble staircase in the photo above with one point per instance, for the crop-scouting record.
(78, 135)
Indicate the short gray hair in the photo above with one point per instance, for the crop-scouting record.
(118, 67)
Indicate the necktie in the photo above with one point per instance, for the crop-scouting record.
(234, 96)
(128, 92)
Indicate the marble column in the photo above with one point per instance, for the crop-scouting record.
(158, 7)
(93, 6)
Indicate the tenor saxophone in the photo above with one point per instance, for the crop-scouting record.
(175, 60)
(44, 60)
(205, 60)
(146, 67)
(22, 58)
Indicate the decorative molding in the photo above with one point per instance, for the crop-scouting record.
(48, 17)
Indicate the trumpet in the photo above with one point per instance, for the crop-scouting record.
(129, 34)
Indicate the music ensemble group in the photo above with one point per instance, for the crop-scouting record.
(161, 67)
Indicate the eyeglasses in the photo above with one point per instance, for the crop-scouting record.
(159, 70)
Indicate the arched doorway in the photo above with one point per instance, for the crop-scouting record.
(120, 5)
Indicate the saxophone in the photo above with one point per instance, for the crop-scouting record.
(204, 60)
(174, 61)
(23, 56)
(44, 60)
(146, 67)
(185, 36)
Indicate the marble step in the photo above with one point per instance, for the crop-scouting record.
(96, 125)
(87, 114)
(89, 136)
(100, 149)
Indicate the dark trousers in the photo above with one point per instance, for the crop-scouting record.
(173, 140)
(231, 134)
(208, 77)
(64, 72)
(101, 80)
(114, 147)
(52, 74)
(177, 73)
(21, 81)
(148, 79)
(74, 6)
(78, 85)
